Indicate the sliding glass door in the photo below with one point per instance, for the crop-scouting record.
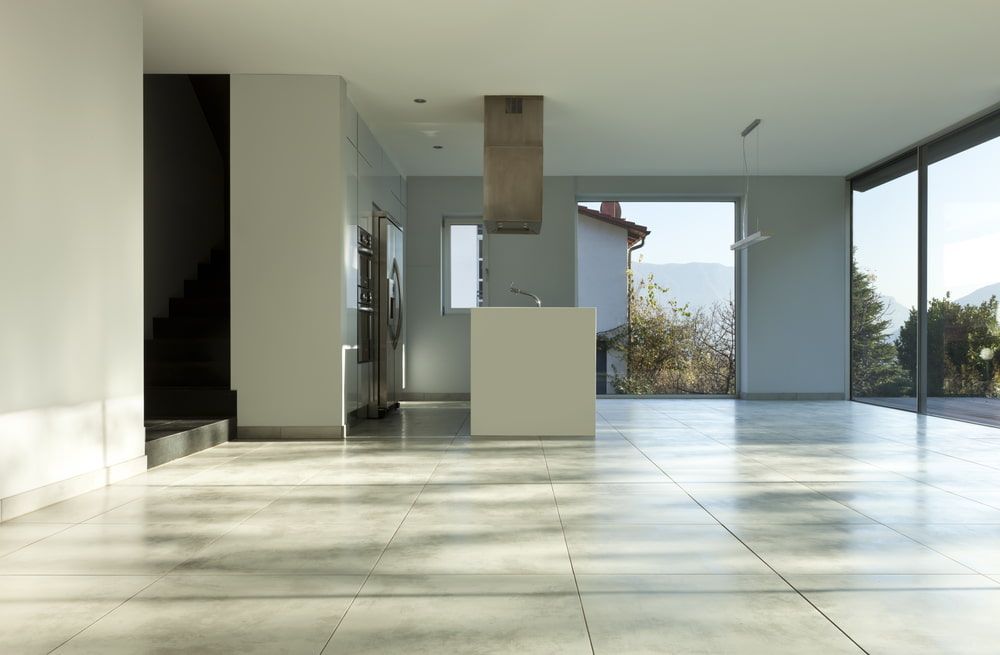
(963, 283)
(884, 291)
(925, 277)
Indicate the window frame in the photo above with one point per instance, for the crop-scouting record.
(446, 225)
(964, 136)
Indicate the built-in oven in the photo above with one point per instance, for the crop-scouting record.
(366, 297)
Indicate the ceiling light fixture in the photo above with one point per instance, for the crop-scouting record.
(747, 240)
(420, 101)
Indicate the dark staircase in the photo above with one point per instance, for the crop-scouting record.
(187, 360)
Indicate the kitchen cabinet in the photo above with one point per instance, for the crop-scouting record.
(368, 184)
(368, 146)
(349, 121)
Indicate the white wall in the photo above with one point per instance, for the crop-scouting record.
(287, 243)
(437, 350)
(601, 263)
(795, 301)
(71, 330)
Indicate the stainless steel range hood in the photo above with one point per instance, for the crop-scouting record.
(512, 164)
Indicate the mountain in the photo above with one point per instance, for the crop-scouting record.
(697, 284)
(981, 295)
(897, 313)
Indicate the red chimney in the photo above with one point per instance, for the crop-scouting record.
(611, 208)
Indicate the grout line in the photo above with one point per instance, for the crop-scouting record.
(381, 555)
(903, 534)
(176, 566)
(745, 545)
(569, 556)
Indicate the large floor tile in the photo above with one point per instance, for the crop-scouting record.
(767, 502)
(503, 548)
(911, 615)
(483, 467)
(908, 502)
(180, 504)
(37, 613)
(708, 614)
(485, 503)
(631, 467)
(975, 546)
(374, 472)
(429, 615)
(282, 547)
(662, 502)
(843, 549)
(110, 549)
(85, 506)
(350, 504)
(656, 549)
(14, 536)
(217, 615)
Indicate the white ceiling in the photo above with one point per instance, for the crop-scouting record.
(632, 87)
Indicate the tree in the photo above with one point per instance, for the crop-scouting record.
(956, 335)
(875, 369)
(671, 349)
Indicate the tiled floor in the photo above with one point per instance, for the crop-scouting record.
(697, 526)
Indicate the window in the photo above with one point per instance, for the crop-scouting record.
(926, 280)
(884, 289)
(662, 278)
(963, 283)
(464, 250)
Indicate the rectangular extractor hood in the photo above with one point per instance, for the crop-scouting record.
(512, 164)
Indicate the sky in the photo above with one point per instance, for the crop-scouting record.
(963, 201)
(682, 232)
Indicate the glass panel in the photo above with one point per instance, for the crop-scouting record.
(666, 316)
(963, 283)
(884, 294)
(464, 266)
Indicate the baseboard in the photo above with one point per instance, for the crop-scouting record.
(289, 432)
(794, 396)
(433, 396)
(29, 501)
(173, 446)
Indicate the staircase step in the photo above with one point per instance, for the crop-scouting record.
(186, 374)
(187, 350)
(180, 402)
(190, 326)
(220, 256)
(212, 270)
(201, 307)
(213, 288)
(172, 439)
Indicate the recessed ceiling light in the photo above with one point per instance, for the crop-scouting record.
(420, 101)
(438, 147)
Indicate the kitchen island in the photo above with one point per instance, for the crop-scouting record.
(533, 371)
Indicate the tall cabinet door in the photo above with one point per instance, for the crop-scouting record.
(352, 394)
(367, 181)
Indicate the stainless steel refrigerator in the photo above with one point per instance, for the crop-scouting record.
(387, 355)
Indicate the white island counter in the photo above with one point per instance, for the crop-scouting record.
(533, 371)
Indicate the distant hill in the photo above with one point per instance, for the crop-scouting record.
(979, 296)
(897, 313)
(697, 284)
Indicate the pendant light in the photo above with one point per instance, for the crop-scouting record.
(747, 240)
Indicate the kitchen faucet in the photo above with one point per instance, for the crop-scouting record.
(513, 289)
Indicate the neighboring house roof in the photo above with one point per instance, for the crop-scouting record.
(635, 231)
